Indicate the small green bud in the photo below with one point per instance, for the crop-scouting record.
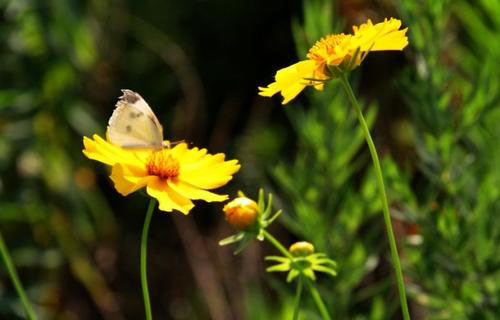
(301, 248)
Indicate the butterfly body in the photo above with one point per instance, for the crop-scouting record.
(133, 124)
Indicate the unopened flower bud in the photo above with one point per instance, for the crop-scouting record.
(241, 212)
(301, 248)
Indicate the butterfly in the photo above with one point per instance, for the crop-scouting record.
(133, 124)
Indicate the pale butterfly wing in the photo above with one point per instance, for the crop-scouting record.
(133, 124)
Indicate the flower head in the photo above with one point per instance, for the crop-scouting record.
(241, 212)
(304, 263)
(174, 176)
(340, 52)
(250, 218)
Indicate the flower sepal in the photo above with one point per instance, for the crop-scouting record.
(250, 218)
(304, 263)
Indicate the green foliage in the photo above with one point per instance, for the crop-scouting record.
(48, 195)
(454, 104)
(444, 201)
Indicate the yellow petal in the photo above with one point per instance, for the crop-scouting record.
(211, 177)
(179, 149)
(291, 92)
(381, 36)
(192, 192)
(92, 152)
(103, 151)
(392, 41)
(203, 163)
(221, 168)
(192, 155)
(125, 182)
(168, 199)
(291, 80)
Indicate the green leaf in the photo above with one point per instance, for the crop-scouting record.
(292, 275)
(243, 244)
(277, 258)
(309, 273)
(279, 268)
(324, 269)
(231, 239)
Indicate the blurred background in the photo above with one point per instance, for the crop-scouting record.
(434, 110)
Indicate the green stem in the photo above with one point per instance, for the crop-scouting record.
(380, 181)
(319, 302)
(144, 245)
(296, 302)
(314, 292)
(15, 279)
(277, 245)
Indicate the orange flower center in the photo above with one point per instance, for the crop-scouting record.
(162, 164)
(327, 46)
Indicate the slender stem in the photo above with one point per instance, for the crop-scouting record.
(277, 245)
(144, 245)
(380, 181)
(15, 279)
(296, 302)
(319, 302)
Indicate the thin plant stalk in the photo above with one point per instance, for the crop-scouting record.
(296, 301)
(314, 292)
(277, 245)
(385, 206)
(319, 302)
(144, 247)
(11, 270)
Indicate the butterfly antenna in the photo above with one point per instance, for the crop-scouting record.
(174, 143)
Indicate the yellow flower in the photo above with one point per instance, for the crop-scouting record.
(338, 51)
(241, 212)
(174, 176)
